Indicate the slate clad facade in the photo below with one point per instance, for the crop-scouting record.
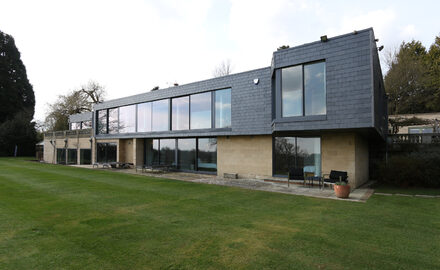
(318, 106)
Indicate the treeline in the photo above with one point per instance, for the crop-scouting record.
(413, 80)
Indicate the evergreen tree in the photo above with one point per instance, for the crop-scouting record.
(17, 101)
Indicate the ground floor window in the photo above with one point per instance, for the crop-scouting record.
(72, 156)
(106, 152)
(297, 152)
(61, 156)
(187, 154)
(85, 156)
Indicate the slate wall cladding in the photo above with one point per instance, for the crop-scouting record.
(251, 104)
(87, 116)
(349, 85)
(352, 91)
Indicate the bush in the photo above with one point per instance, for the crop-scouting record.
(414, 169)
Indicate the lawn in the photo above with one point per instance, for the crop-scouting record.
(54, 216)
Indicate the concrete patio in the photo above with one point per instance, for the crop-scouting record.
(357, 195)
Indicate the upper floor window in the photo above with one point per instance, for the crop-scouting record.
(160, 115)
(127, 119)
(180, 113)
(86, 124)
(223, 108)
(113, 121)
(303, 90)
(201, 110)
(75, 125)
(101, 127)
(144, 117)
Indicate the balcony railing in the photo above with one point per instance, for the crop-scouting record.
(422, 138)
(69, 133)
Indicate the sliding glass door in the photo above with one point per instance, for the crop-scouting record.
(297, 152)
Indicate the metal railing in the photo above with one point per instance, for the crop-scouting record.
(422, 138)
(69, 133)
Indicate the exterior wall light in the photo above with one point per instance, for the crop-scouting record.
(324, 38)
(256, 81)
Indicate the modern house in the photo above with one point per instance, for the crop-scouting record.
(320, 106)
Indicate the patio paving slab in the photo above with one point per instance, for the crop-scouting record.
(357, 195)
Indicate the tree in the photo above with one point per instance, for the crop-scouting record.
(77, 101)
(223, 69)
(17, 102)
(433, 82)
(405, 81)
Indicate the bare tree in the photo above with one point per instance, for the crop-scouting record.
(77, 101)
(223, 69)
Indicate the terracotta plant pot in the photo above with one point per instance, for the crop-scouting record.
(342, 191)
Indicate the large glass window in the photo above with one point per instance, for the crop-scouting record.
(167, 152)
(314, 88)
(201, 111)
(284, 154)
(303, 90)
(85, 156)
(308, 155)
(72, 155)
(144, 117)
(106, 152)
(75, 125)
(207, 154)
(155, 151)
(223, 108)
(113, 121)
(186, 154)
(127, 119)
(102, 122)
(61, 156)
(180, 113)
(160, 115)
(291, 91)
(297, 152)
(86, 124)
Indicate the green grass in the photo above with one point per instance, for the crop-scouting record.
(386, 188)
(63, 217)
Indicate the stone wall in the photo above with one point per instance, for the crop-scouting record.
(345, 152)
(249, 156)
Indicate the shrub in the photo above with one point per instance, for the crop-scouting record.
(414, 169)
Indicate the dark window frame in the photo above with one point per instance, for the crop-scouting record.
(296, 151)
(279, 91)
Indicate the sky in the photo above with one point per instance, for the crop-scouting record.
(133, 45)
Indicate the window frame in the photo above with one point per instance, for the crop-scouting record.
(279, 93)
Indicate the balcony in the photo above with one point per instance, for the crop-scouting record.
(69, 133)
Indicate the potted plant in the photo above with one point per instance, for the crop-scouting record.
(342, 189)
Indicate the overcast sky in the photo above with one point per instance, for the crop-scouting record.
(131, 46)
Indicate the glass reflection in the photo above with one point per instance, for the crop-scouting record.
(314, 85)
(160, 115)
(127, 119)
(180, 113)
(201, 111)
(113, 121)
(284, 154)
(297, 152)
(309, 155)
(144, 117)
(207, 154)
(291, 91)
(167, 152)
(102, 122)
(186, 154)
(223, 108)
